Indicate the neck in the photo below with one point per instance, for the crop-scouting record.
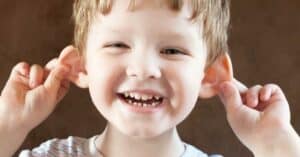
(113, 143)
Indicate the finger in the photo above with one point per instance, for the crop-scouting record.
(56, 76)
(20, 73)
(68, 57)
(274, 92)
(21, 68)
(230, 96)
(65, 85)
(278, 102)
(236, 111)
(51, 64)
(65, 52)
(35, 75)
(269, 90)
(265, 92)
(240, 86)
(270, 94)
(252, 96)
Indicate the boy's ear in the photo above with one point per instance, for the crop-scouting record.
(216, 73)
(70, 56)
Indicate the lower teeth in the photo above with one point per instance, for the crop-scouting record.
(142, 104)
(138, 104)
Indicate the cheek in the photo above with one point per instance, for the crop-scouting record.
(103, 78)
(185, 83)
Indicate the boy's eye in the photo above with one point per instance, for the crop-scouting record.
(171, 51)
(117, 45)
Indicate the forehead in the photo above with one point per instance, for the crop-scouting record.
(148, 18)
(155, 6)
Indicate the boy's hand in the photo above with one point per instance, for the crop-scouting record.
(31, 94)
(260, 117)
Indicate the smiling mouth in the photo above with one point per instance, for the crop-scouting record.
(145, 101)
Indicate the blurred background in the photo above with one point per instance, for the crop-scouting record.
(264, 42)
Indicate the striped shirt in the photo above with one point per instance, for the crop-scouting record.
(82, 147)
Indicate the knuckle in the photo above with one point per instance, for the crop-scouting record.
(36, 70)
(257, 86)
(273, 86)
(36, 66)
(251, 95)
(56, 74)
(20, 65)
(51, 64)
(20, 68)
(253, 92)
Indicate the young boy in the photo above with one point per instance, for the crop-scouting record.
(145, 64)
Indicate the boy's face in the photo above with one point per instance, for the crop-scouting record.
(151, 51)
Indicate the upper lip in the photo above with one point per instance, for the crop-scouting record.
(144, 91)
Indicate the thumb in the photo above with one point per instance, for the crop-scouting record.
(55, 78)
(230, 96)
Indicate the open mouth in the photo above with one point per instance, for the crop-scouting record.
(138, 100)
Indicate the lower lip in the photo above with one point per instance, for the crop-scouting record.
(144, 110)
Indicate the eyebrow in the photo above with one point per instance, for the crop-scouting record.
(170, 35)
(178, 38)
(175, 35)
(115, 31)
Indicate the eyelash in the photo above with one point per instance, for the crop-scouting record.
(121, 45)
(173, 51)
(117, 45)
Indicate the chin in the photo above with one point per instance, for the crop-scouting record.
(142, 133)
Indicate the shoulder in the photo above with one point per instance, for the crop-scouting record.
(71, 146)
(192, 151)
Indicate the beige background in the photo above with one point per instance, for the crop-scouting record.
(265, 48)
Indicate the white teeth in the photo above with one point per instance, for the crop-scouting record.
(126, 94)
(145, 97)
(157, 97)
(138, 96)
(131, 95)
(136, 104)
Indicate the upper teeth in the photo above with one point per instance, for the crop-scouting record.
(139, 96)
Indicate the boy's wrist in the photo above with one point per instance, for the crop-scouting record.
(10, 141)
(285, 143)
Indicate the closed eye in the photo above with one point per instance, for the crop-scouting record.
(172, 51)
(116, 45)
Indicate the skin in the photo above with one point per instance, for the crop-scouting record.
(141, 62)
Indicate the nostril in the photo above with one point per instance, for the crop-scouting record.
(144, 71)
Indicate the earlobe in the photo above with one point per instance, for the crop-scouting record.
(78, 75)
(216, 73)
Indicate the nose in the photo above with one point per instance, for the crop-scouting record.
(143, 66)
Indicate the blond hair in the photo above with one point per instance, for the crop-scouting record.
(214, 15)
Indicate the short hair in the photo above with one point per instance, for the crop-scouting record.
(213, 15)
